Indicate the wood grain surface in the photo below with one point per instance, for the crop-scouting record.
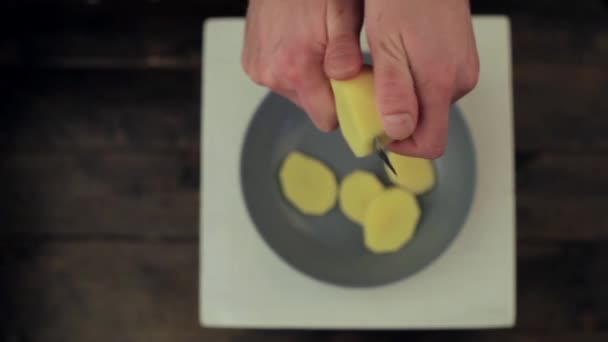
(100, 165)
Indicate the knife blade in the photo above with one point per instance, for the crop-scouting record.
(381, 152)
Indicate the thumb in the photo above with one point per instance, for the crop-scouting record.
(394, 85)
(343, 59)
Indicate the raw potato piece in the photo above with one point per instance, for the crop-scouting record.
(357, 113)
(414, 174)
(308, 184)
(390, 220)
(356, 192)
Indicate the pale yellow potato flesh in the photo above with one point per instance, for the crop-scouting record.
(356, 192)
(308, 184)
(390, 220)
(414, 174)
(360, 121)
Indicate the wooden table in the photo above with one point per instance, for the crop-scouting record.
(99, 173)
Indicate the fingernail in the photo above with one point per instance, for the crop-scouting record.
(398, 126)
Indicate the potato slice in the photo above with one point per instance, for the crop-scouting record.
(356, 192)
(391, 220)
(414, 174)
(308, 184)
(358, 116)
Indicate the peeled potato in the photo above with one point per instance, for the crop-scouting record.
(390, 220)
(308, 184)
(357, 113)
(414, 174)
(356, 192)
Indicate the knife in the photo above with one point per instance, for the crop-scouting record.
(381, 152)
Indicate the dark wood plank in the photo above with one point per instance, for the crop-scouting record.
(133, 291)
(155, 194)
(555, 174)
(464, 336)
(562, 40)
(561, 286)
(101, 40)
(128, 7)
(536, 7)
(97, 164)
(151, 34)
(542, 8)
(167, 35)
(100, 194)
(558, 107)
(562, 196)
(562, 217)
(91, 291)
(99, 109)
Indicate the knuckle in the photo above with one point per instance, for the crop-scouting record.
(434, 142)
(293, 65)
(442, 79)
(269, 81)
(391, 47)
(293, 75)
(433, 151)
(327, 125)
(249, 70)
(324, 126)
(394, 93)
(263, 78)
(437, 85)
(245, 63)
(438, 73)
(255, 76)
(470, 76)
(444, 88)
(389, 78)
(321, 117)
(343, 45)
(343, 58)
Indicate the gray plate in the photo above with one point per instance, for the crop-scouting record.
(330, 248)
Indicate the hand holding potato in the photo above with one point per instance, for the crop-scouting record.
(294, 47)
(424, 56)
